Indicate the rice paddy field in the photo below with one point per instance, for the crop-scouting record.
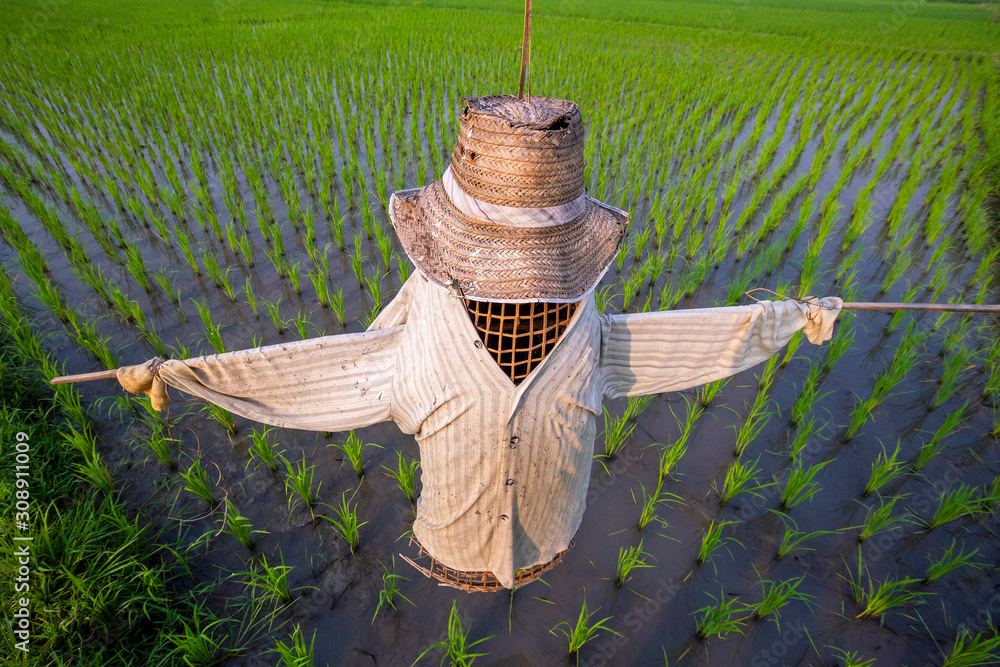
(197, 177)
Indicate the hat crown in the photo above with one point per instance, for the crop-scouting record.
(520, 152)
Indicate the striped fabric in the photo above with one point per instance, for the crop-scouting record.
(505, 468)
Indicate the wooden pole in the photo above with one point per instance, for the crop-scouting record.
(935, 307)
(85, 377)
(525, 47)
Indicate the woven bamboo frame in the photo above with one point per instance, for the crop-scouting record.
(476, 582)
(519, 335)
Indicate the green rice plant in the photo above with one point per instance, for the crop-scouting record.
(375, 290)
(980, 650)
(358, 261)
(712, 540)
(933, 447)
(792, 538)
(851, 659)
(271, 579)
(352, 450)
(302, 324)
(299, 484)
(839, 344)
(196, 481)
(635, 406)
(617, 431)
(161, 445)
(197, 642)
(92, 468)
(806, 430)
(651, 502)
(274, 312)
(808, 395)
(583, 631)
(740, 478)
(949, 562)
(629, 559)
(885, 470)
(223, 416)
(720, 619)
(251, 297)
(756, 420)
(953, 505)
(955, 366)
(239, 526)
(776, 595)
(262, 449)
(390, 589)
(405, 475)
(345, 520)
(670, 456)
(876, 598)
(799, 486)
(710, 391)
(457, 646)
(295, 654)
(880, 518)
(337, 303)
(295, 276)
(319, 282)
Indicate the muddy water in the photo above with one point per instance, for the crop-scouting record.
(338, 591)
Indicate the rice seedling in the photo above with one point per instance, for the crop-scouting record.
(223, 416)
(390, 589)
(295, 654)
(196, 481)
(274, 312)
(345, 520)
(651, 502)
(775, 596)
(712, 540)
(299, 482)
(457, 646)
(880, 518)
(162, 446)
(709, 392)
(876, 598)
(197, 642)
(720, 619)
(617, 431)
(740, 478)
(262, 449)
(968, 651)
(352, 450)
(808, 395)
(756, 420)
(405, 475)
(851, 659)
(839, 345)
(952, 505)
(271, 579)
(92, 468)
(799, 485)
(949, 562)
(885, 470)
(954, 367)
(583, 631)
(933, 447)
(792, 538)
(629, 559)
(239, 526)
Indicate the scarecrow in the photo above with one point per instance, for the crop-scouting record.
(493, 353)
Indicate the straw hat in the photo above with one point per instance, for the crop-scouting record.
(509, 220)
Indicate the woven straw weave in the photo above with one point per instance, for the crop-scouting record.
(486, 261)
(524, 153)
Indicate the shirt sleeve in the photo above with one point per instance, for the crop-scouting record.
(650, 353)
(332, 383)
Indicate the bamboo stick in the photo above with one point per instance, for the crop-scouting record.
(85, 377)
(850, 305)
(935, 307)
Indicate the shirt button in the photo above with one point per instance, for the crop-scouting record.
(478, 343)
(513, 441)
(510, 482)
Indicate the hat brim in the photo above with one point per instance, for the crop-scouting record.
(487, 261)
